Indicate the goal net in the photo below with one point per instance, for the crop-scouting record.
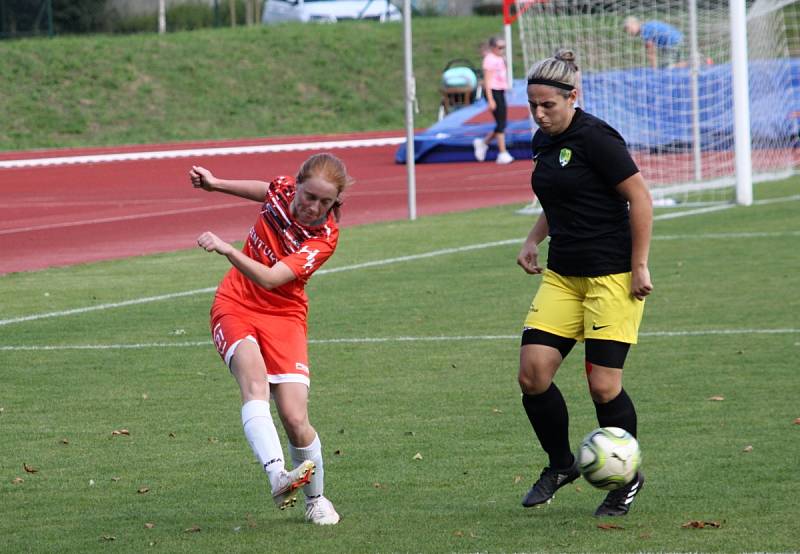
(659, 71)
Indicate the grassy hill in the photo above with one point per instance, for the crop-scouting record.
(225, 83)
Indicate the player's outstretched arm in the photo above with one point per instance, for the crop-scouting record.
(202, 178)
(267, 277)
(635, 191)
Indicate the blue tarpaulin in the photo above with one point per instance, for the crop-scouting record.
(651, 108)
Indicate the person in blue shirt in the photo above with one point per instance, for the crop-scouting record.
(662, 41)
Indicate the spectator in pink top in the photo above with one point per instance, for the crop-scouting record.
(495, 82)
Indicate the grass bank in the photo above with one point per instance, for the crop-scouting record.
(225, 83)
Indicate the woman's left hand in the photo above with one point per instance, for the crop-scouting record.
(212, 243)
(640, 283)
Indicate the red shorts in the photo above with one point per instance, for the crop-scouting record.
(282, 340)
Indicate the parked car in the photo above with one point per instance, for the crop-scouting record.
(329, 11)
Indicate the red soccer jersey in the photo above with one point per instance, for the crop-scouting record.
(276, 236)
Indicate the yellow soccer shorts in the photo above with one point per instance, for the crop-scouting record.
(587, 307)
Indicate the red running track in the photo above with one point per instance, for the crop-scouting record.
(69, 214)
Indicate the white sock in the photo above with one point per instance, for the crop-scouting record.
(311, 452)
(263, 438)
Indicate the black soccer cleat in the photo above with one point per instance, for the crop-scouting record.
(618, 502)
(549, 482)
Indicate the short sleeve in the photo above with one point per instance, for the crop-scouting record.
(608, 155)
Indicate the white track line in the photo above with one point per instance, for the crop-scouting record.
(196, 152)
(51, 226)
(381, 340)
(374, 263)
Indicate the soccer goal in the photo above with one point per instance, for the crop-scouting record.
(661, 73)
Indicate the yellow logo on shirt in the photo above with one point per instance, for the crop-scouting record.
(564, 156)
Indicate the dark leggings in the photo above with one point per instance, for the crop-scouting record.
(500, 112)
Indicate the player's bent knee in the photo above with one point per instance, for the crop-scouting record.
(605, 391)
(533, 379)
(532, 385)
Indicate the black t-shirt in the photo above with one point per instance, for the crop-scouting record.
(575, 178)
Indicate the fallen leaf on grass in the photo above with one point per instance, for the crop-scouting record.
(172, 435)
(108, 538)
(610, 526)
(696, 524)
(192, 529)
(518, 478)
(378, 485)
(337, 452)
(149, 525)
(143, 490)
(115, 479)
(417, 456)
(118, 432)
(64, 441)
(17, 480)
(717, 398)
(796, 421)
(748, 448)
(29, 469)
(213, 440)
(497, 411)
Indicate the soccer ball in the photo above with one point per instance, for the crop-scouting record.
(609, 458)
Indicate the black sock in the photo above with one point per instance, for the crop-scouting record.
(548, 415)
(617, 413)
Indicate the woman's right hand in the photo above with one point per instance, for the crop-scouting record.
(202, 178)
(528, 258)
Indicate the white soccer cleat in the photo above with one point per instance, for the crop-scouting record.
(504, 158)
(531, 209)
(320, 511)
(479, 148)
(289, 482)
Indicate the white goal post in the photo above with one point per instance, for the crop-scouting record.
(699, 100)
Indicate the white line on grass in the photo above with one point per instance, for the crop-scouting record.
(376, 340)
(196, 152)
(208, 290)
(375, 263)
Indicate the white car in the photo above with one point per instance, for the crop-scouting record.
(329, 11)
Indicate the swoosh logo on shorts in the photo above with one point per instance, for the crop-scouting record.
(596, 327)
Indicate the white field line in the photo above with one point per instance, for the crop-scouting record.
(375, 263)
(197, 152)
(209, 290)
(380, 340)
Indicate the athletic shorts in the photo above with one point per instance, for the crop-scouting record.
(586, 307)
(282, 340)
(501, 111)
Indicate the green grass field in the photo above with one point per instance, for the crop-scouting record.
(412, 356)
